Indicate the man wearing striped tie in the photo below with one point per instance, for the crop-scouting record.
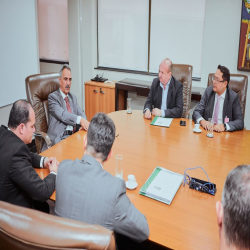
(65, 114)
(220, 103)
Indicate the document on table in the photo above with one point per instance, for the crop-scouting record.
(160, 121)
(162, 185)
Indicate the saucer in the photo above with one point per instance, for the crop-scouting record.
(197, 131)
(133, 186)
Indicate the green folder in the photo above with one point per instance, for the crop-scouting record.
(162, 185)
(161, 121)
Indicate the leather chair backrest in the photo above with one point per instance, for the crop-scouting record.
(183, 73)
(23, 228)
(38, 88)
(238, 83)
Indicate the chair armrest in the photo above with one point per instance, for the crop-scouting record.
(187, 114)
(46, 137)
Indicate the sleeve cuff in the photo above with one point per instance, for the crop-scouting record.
(228, 127)
(145, 110)
(41, 162)
(53, 172)
(199, 119)
(78, 119)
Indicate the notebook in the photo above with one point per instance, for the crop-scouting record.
(160, 121)
(162, 185)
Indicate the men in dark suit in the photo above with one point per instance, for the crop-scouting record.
(19, 182)
(88, 193)
(64, 112)
(233, 212)
(165, 94)
(220, 103)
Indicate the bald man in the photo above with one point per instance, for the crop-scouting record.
(165, 98)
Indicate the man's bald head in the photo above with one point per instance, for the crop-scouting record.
(165, 70)
(167, 63)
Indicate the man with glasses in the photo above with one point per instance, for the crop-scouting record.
(220, 103)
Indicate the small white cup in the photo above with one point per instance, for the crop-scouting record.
(131, 179)
(196, 126)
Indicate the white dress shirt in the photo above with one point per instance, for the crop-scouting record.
(221, 105)
(164, 97)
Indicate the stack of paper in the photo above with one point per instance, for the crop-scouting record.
(160, 121)
(162, 185)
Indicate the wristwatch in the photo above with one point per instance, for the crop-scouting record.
(225, 126)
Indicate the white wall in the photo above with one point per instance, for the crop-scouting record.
(18, 51)
(49, 67)
(4, 114)
(53, 24)
(19, 47)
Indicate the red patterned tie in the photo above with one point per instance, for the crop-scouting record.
(67, 104)
(69, 109)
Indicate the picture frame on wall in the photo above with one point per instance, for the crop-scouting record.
(244, 42)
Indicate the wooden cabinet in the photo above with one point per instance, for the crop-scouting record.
(99, 97)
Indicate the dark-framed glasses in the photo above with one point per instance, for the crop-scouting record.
(216, 79)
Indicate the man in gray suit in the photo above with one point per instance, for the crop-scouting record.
(86, 192)
(165, 97)
(64, 112)
(220, 103)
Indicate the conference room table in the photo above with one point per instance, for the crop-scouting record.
(190, 221)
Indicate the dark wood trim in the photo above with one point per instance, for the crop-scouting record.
(196, 97)
(139, 90)
(127, 71)
(198, 79)
(46, 60)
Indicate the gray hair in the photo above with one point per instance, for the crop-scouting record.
(236, 207)
(65, 66)
(100, 136)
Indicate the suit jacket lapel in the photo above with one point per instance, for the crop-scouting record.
(226, 101)
(170, 92)
(61, 98)
(159, 98)
(62, 102)
(211, 105)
